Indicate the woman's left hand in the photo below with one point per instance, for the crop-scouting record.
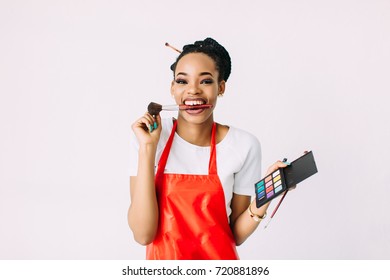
(275, 166)
(280, 164)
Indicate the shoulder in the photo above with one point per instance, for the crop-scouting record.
(241, 143)
(237, 136)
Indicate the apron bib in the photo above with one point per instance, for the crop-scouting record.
(193, 223)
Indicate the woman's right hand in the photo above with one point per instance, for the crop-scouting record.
(145, 131)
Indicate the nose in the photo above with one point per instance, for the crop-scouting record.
(193, 89)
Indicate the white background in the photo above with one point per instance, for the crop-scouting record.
(307, 75)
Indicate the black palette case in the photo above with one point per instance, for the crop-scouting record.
(282, 179)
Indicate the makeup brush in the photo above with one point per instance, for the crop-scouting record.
(280, 201)
(155, 108)
(173, 48)
(276, 209)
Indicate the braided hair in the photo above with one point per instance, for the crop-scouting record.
(215, 51)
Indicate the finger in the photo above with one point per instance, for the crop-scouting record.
(276, 166)
(142, 122)
(149, 117)
(281, 164)
(157, 122)
(154, 120)
(153, 123)
(158, 119)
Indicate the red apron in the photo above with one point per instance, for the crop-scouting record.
(193, 223)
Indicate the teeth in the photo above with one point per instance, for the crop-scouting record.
(193, 102)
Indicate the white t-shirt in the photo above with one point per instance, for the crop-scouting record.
(238, 159)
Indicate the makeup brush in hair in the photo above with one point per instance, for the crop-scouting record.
(173, 48)
(155, 108)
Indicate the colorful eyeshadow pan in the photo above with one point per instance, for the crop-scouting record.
(270, 194)
(278, 189)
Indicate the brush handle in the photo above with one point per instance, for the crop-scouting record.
(170, 107)
(185, 107)
(193, 107)
(155, 108)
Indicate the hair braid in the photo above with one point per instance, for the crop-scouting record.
(214, 50)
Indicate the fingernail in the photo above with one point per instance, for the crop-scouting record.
(150, 128)
(286, 162)
(155, 125)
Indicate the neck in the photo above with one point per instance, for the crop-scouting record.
(196, 134)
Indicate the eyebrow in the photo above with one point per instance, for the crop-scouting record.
(201, 74)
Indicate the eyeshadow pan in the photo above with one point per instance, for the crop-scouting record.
(261, 195)
(270, 194)
(261, 183)
(278, 189)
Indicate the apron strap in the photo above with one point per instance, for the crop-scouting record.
(164, 156)
(213, 151)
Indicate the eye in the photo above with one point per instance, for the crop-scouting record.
(207, 81)
(180, 81)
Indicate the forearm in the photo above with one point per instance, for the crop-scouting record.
(143, 211)
(245, 225)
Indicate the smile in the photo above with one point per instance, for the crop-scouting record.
(194, 102)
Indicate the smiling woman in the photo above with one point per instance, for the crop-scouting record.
(196, 82)
(195, 203)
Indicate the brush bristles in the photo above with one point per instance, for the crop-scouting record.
(154, 108)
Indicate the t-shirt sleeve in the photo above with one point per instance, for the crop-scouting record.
(250, 172)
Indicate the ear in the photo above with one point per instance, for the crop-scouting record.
(221, 87)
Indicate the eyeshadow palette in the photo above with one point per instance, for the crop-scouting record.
(284, 178)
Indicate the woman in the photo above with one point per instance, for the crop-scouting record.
(196, 205)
